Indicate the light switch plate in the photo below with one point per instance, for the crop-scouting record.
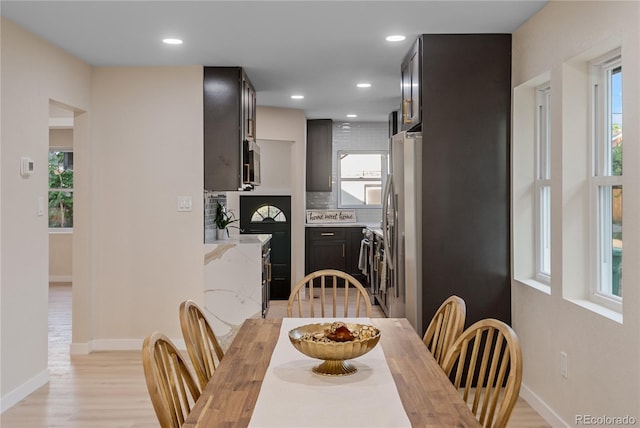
(185, 203)
(563, 365)
(40, 206)
(26, 166)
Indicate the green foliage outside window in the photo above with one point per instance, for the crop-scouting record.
(616, 151)
(60, 189)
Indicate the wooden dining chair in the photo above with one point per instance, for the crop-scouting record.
(445, 327)
(203, 347)
(172, 388)
(485, 364)
(324, 292)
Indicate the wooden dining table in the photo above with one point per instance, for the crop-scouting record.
(428, 397)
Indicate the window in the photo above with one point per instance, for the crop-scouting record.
(60, 189)
(606, 180)
(268, 214)
(360, 176)
(543, 184)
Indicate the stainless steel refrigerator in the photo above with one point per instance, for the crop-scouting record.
(400, 294)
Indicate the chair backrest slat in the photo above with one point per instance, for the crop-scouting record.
(330, 284)
(445, 327)
(491, 367)
(172, 388)
(202, 344)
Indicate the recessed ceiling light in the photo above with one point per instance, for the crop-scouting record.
(364, 85)
(352, 115)
(172, 41)
(297, 97)
(396, 38)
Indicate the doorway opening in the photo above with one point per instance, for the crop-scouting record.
(60, 222)
(271, 214)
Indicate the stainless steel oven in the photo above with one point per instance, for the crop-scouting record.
(379, 272)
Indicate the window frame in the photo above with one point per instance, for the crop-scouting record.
(383, 176)
(602, 182)
(59, 189)
(542, 181)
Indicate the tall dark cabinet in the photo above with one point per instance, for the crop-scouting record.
(465, 104)
(319, 144)
(229, 128)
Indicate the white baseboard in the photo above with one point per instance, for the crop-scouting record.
(14, 397)
(117, 344)
(60, 278)
(542, 408)
(101, 345)
(80, 348)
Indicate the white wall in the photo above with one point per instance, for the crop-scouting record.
(603, 353)
(137, 147)
(33, 72)
(146, 257)
(290, 125)
(275, 167)
(60, 256)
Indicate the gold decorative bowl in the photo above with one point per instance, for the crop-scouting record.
(334, 354)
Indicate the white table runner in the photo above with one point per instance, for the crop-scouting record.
(293, 396)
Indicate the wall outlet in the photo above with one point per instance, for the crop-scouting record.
(563, 365)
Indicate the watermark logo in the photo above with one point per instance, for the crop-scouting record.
(605, 420)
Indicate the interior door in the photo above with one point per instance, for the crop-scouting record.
(271, 214)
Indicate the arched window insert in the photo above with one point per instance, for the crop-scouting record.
(268, 213)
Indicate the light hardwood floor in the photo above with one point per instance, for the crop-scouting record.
(107, 389)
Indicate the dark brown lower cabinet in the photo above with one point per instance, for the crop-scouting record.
(333, 248)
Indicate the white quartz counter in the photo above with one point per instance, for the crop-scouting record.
(241, 239)
(233, 282)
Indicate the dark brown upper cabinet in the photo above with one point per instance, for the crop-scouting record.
(319, 144)
(410, 70)
(229, 124)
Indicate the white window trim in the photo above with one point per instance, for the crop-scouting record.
(60, 230)
(383, 178)
(542, 165)
(600, 177)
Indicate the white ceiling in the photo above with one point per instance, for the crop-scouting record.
(317, 48)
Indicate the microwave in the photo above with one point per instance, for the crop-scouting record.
(250, 163)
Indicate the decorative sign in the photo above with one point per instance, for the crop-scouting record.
(331, 216)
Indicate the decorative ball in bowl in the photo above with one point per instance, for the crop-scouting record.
(335, 343)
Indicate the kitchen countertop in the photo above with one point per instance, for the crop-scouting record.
(243, 239)
(358, 224)
(214, 250)
(377, 231)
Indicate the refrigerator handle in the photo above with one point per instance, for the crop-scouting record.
(388, 190)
